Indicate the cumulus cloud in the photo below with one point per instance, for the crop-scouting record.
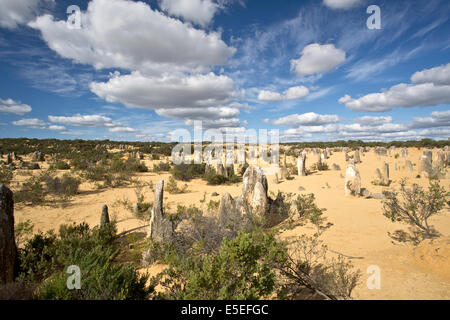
(57, 128)
(199, 113)
(438, 75)
(430, 87)
(122, 129)
(342, 4)
(369, 128)
(292, 93)
(149, 41)
(218, 123)
(373, 121)
(90, 121)
(316, 58)
(306, 119)
(79, 120)
(169, 91)
(200, 12)
(401, 95)
(14, 12)
(30, 123)
(11, 106)
(436, 119)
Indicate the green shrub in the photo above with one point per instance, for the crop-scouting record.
(186, 172)
(214, 179)
(45, 258)
(307, 208)
(242, 269)
(6, 175)
(417, 206)
(172, 187)
(66, 186)
(162, 166)
(31, 192)
(23, 230)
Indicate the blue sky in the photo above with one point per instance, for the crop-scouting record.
(139, 70)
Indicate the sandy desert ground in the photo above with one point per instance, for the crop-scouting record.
(359, 229)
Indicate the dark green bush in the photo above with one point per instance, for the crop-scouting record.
(45, 258)
(215, 179)
(65, 186)
(186, 172)
(162, 166)
(242, 269)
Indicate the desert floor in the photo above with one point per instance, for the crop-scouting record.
(359, 229)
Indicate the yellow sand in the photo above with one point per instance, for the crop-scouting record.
(359, 228)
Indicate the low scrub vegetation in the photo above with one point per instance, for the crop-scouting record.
(44, 260)
(6, 175)
(34, 191)
(414, 206)
(186, 172)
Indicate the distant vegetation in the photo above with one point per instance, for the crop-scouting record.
(95, 149)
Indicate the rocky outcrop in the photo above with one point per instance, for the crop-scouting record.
(301, 164)
(385, 178)
(357, 157)
(105, 216)
(425, 166)
(161, 228)
(352, 181)
(253, 204)
(8, 250)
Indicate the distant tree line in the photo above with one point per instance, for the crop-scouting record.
(66, 147)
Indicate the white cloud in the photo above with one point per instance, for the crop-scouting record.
(401, 95)
(122, 129)
(292, 93)
(200, 12)
(84, 120)
(436, 119)
(57, 128)
(373, 121)
(342, 4)
(149, 41)
(11, 106)
(316, 58)
(15, 12)
(199, 113)
(90, 121)
(265, 95)
(438, 75)
(306, 119)
(31, 123)
(169, 91)
(431, 87)
(218, 123)
(368, 128)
